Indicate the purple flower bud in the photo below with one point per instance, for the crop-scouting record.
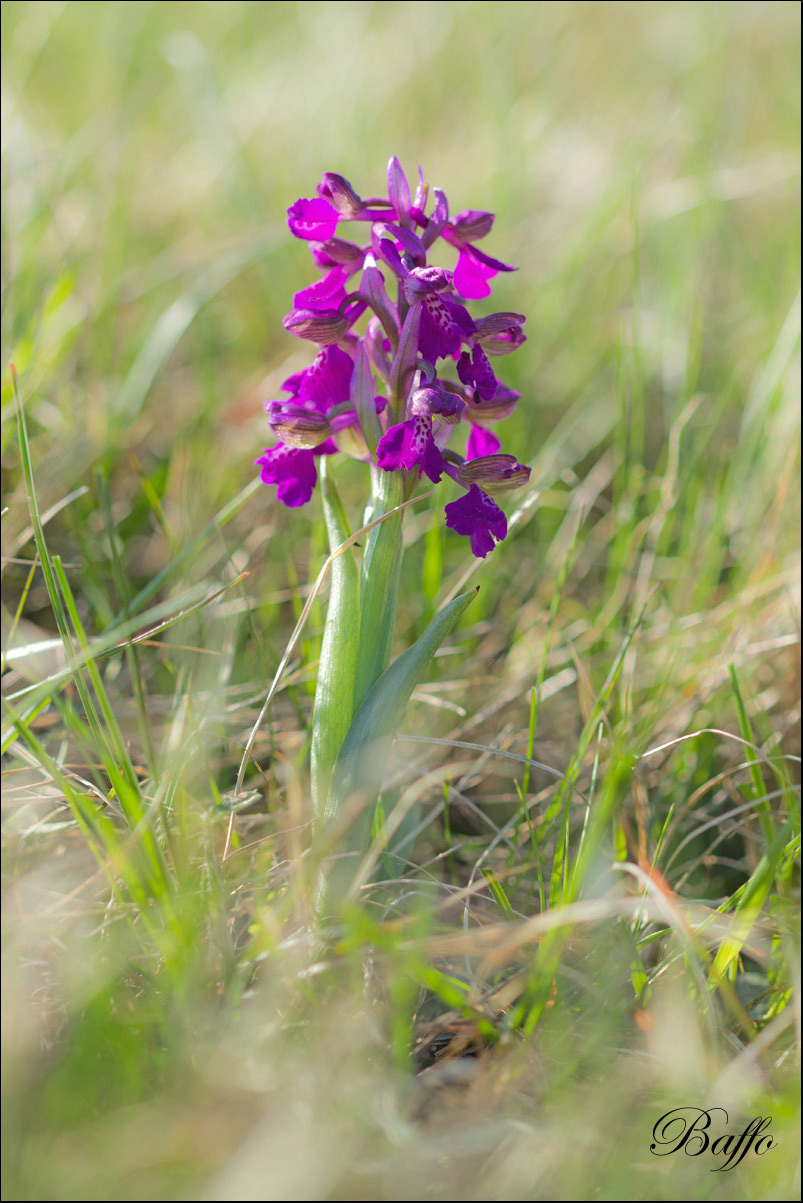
(493, 473)
(378, 347)
(399, 192)
(384, 247)
(336, 251)
(475, 514)
(373, 289)
(472, 224)
(339, 193)
(437, 221)
(421, 192)
(297, 426)
(324, 327)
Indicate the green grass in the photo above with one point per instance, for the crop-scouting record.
(598, 880)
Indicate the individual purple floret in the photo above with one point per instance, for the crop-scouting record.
(410, 445)
(429, 354)
(293, 470)
(477, 515)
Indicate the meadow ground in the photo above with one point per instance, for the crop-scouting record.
(561, 960)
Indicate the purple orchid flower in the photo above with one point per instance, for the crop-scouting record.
(481, 442)
(477, 515)
(418, 331)
(293, 470)
(410, 445)
(315, 220)
(474, 269)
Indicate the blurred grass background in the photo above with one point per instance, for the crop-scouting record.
(643, 160)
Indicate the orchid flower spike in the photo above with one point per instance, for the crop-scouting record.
(430, 355)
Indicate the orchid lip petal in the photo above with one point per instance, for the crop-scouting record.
(314, 220)
(477, 515)
(292, 470)
(410, 445)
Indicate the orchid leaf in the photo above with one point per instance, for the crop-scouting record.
(360, 766)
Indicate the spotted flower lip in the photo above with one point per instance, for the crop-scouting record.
(445, 326)
(410, 445)
(419, 336)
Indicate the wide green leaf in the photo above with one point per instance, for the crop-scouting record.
(360, 766)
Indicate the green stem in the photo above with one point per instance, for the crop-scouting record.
(381, 567)
(335, 704)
